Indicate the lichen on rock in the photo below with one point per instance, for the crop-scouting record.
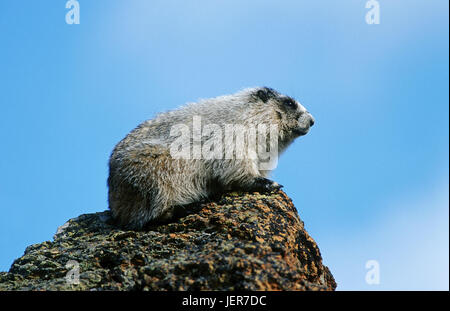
(241, 241)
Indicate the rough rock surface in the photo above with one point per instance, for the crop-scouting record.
(239, 242)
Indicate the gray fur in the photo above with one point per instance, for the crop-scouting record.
(146, 183)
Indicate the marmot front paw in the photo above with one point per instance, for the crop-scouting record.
(266, 185)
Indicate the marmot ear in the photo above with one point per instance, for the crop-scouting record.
(264, 94)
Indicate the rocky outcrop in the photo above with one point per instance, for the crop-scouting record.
(238, 242)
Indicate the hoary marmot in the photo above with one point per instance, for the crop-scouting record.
(184, 156)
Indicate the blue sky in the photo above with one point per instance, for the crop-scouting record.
(370, 180)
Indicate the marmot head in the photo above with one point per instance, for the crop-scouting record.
(292, 117)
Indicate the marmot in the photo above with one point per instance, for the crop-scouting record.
(148, 179)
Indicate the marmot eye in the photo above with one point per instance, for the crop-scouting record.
(290, 103)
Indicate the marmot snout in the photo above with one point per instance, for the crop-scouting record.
(226, 143)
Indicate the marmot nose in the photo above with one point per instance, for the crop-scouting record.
(311, 121)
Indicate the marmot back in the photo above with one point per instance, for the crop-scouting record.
(226, 143)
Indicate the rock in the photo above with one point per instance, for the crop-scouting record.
(239, 242)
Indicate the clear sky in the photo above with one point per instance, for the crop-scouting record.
(370, 180)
